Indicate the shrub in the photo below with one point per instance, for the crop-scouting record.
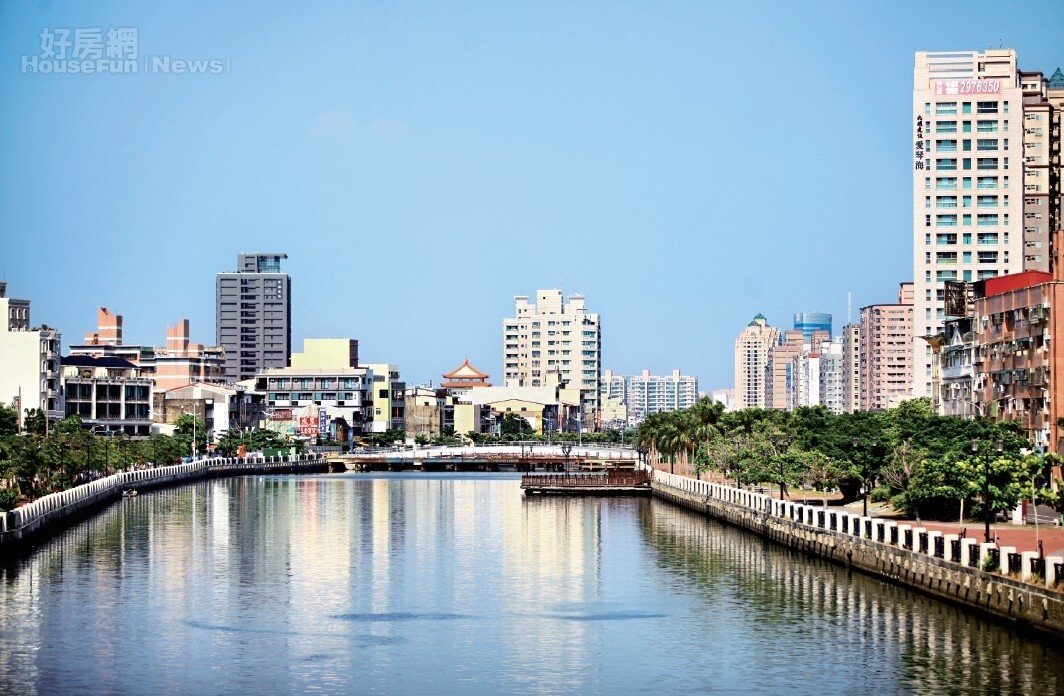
(900, 502)
(8, 499)
(880, 494)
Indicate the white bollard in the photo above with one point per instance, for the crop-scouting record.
(966, 550)
(932, 540)
(1025, 565)
(888, 526)
(1003, 565)
(1051, 570)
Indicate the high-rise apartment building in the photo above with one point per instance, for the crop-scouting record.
(851, 368)
(645, 394)
(986, 179)
(886, 351)
(832, 374)
(781, 382)
(254, 311)
(751, 363)
(554, 336)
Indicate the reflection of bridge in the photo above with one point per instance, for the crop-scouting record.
(536, 456)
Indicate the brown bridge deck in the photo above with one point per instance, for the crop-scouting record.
(609, 483)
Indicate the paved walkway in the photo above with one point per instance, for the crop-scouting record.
(1024, 538)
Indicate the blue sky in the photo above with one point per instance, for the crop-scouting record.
(684, 165)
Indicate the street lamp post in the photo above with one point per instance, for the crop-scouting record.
(987, 512)
(777, 441)
(567, 447)
(737, 442)
(193, 414)
(865, 483)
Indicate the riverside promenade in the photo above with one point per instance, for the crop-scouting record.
(1024, 537)
(1022, 588)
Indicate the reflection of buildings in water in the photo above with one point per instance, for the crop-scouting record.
(550, 569)
(380, 557)
(937, 645)
(319, 549)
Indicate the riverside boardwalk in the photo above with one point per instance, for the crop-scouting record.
(1021, 587)
(618, 482)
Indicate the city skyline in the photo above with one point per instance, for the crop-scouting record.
(408, 159)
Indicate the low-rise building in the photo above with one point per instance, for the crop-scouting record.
(548, 409)
(1001, 362)
(108, 393)
(29, 361)
(386, 392)
(176, 364)
(325, 393)
(221, 408)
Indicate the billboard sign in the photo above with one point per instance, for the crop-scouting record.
(962, 87)
(308, 425)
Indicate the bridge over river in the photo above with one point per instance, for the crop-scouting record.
(527, 456)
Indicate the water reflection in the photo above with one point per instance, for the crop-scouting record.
(458, 584)
(845, 617)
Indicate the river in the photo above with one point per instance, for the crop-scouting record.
(458, 584)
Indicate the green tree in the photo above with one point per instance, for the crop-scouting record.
(8, 421)
(71, 425)
(35, 422)
(822, 472)
(188, 428)
(938, 488)
(513, 424)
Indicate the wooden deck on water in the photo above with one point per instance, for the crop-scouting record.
(608, 483)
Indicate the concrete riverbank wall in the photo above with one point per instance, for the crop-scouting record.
(1018, 588)
(43, 515)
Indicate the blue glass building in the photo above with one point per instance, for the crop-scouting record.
(808, 322)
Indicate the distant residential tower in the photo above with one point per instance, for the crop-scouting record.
(254, 314)
(555, 336)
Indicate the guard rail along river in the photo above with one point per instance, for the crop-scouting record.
(29, 521)
(1020, 588)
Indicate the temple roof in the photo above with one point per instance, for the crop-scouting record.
(466, 371)
(465, 375)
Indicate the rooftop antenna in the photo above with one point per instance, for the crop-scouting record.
(849, 307)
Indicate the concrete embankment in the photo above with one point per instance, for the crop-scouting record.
(45, 515)
(1019, 588)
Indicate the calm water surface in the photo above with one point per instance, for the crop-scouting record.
(398, 584)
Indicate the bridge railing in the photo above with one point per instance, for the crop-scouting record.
(508, 450)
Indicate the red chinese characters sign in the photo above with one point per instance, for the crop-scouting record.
(308, 425)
